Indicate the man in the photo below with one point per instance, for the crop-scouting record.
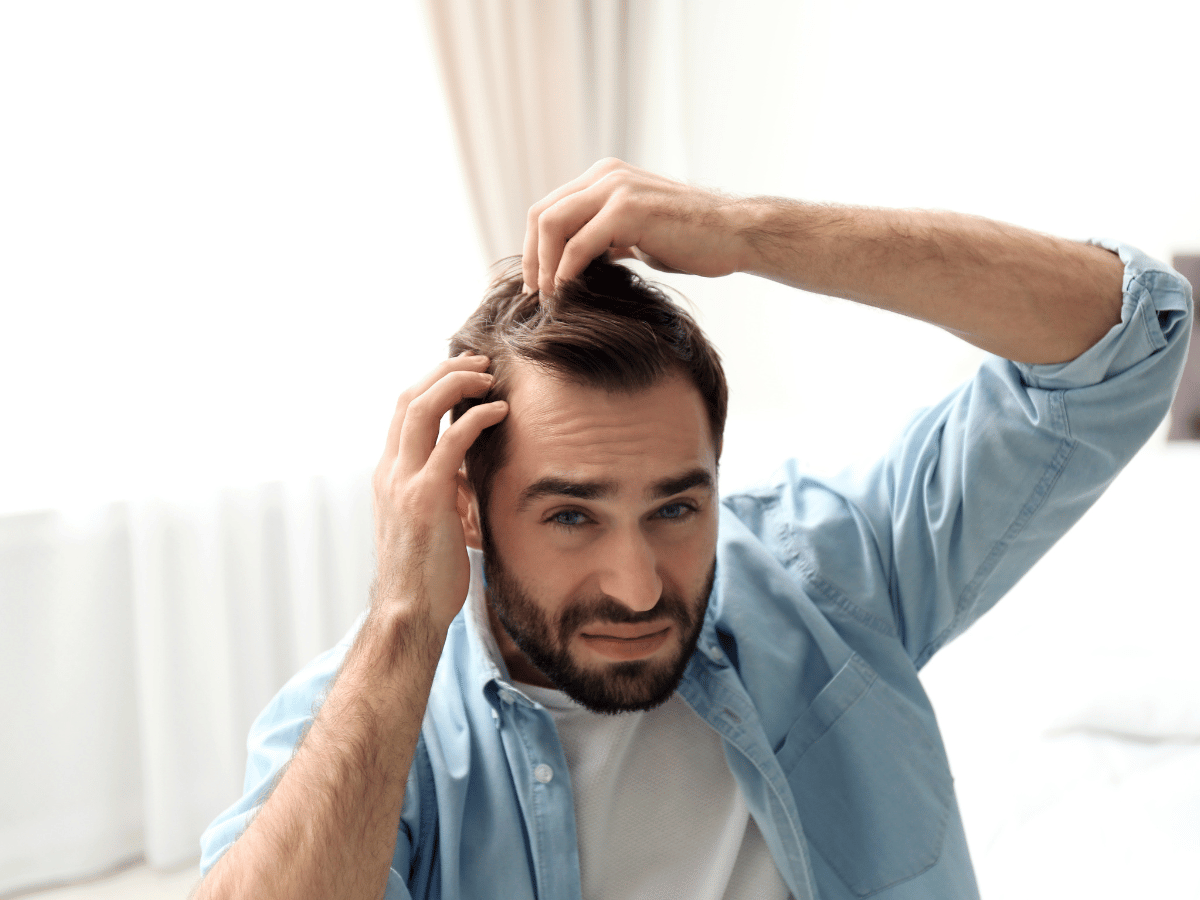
(650, 693)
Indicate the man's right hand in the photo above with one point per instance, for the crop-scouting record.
(419, 541)
(329, 826)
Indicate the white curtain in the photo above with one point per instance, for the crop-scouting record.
(149, 635)
(230, 235)
(538, 92)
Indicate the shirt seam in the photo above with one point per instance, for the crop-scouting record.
(1148, 309)
(835, 595)
(1042, 490)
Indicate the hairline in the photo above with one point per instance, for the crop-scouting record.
(569, 378)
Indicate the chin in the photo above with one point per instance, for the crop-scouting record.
(628, 686)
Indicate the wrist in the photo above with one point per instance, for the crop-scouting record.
(765, 228)
(397, 639)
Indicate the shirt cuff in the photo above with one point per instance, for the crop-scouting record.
(1154, 312)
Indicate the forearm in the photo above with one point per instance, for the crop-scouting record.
(1022, 295)
(329, 827)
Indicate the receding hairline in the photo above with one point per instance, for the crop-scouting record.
(516, 366)
(608, 330)
(519, 369)
(521, 403)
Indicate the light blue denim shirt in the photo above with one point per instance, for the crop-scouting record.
(830, 595)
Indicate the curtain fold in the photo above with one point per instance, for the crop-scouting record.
(71, 779)
(233, 592)
(537, 92)
(155, 632)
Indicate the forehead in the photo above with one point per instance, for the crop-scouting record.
(562, 429)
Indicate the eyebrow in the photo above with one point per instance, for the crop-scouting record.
(564, 487)
(600, 490)
(696, 478)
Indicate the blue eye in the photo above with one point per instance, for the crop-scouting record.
(568, 518)
(674, 511)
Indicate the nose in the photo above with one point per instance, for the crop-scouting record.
(630, 571)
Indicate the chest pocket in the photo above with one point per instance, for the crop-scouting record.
(873, 790)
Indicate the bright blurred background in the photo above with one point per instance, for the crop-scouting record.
(231, 233)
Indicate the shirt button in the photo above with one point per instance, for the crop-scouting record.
(715, 654)
(543, 773)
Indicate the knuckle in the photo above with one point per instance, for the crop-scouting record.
(609, 164)
(615, 179)
(460, 384)
(620, 184)
(401, 498)
(414, 495)
(418, 409)
(419, 406)
(550, 219)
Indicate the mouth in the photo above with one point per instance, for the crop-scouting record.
(627, 642)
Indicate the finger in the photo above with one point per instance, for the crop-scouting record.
(530, 260)
(593, 233)
(420, 430)
(457, 363)
(447, 457)
(613, 254)
(560, 225)
(653, 262)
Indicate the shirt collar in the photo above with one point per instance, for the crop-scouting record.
(479, 629)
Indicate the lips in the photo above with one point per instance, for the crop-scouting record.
(627, 632)
(626, 643)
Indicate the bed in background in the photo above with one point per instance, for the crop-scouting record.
(1071, 712)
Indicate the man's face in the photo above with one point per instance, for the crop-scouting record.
(601, 542)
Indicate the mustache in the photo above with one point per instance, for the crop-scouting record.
(604, 609)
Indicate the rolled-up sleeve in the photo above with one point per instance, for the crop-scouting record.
(980, 486)
(270, 745)
(272, 742)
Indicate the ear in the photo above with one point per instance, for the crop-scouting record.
(468, 511)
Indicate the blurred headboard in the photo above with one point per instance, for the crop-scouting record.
(1185, 412)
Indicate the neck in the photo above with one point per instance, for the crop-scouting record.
(520, 669)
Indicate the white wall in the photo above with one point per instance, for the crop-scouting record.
(230, 234)
(1075, 118)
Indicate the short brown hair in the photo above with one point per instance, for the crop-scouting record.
(606, 329)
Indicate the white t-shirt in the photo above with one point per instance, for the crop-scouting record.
(658, 813)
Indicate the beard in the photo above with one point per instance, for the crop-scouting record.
(617, 687)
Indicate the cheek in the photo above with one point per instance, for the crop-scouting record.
(688, 563)
(545, 574)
